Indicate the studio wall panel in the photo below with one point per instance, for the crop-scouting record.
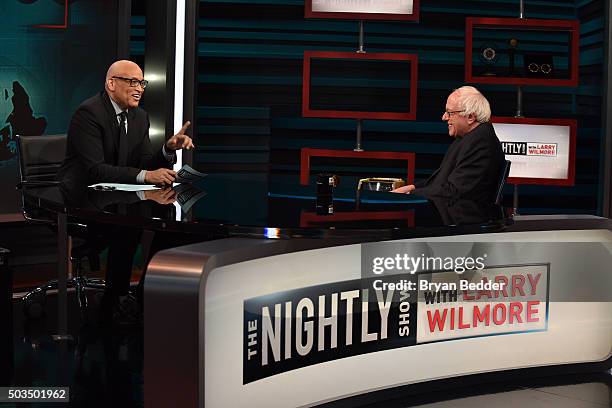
(250, 59)
(48, 67)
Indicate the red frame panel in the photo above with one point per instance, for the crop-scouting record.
(571, 169)
(573, 26)
(382, 56)
(308, 13)
(308, 218)
(307, 152)
(57, 26)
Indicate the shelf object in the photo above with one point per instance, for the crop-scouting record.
(542, 151)
(572, 27)
(306, 153)
(405, 10)
(411, 97)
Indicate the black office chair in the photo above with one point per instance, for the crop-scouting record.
(502, 181)
(40, 158)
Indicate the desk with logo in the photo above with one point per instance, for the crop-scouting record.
(282, 320)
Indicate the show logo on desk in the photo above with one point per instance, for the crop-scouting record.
(391, 307)
(491, 301)
(459, 293)
(293, 329)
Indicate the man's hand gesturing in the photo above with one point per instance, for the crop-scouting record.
(180, 140)
(160, 177)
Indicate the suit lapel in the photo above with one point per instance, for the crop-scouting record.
(112, 120)
(433, 176)
(447, 160)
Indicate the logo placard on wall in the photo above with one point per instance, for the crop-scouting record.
(288, 330)
(542, 151)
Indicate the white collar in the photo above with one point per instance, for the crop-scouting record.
(117, 108)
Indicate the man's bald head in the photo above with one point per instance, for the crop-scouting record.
(117, 68)
(117, 83)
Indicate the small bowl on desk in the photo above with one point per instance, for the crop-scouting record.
(380, 184)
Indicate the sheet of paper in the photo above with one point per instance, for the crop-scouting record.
(187, 195)
(188, 175)
(185, 175)
(123, 187)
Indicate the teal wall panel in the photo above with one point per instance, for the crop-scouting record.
(250, 87)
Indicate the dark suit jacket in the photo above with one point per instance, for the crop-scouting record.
(471, 167)
(465, 211)
(93, 145)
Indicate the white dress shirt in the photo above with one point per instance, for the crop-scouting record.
(140, 178)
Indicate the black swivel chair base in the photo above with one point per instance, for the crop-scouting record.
(35, 300)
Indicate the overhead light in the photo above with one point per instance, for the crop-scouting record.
(179, 63)
(152, 77)
(153, 131)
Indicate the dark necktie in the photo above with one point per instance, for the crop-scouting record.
(123, 142)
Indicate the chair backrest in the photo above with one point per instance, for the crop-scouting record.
(502, 181)
(40, 157)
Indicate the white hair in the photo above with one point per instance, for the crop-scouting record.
(471, 101)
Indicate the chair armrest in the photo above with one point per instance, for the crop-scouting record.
(33, 183)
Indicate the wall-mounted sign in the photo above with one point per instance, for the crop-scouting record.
(363, 9)
(542, 151)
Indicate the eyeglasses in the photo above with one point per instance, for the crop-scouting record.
(134, 82)
(450, 113)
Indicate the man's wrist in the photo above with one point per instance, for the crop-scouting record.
(168, 153)
(140, 178)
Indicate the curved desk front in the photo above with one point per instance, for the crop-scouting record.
(272, 310)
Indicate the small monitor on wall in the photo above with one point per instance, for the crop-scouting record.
(363, 9)
(542, 151)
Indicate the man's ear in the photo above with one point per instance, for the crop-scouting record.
(110, 84)
(471, 118)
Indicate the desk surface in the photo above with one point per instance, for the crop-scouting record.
(246, 205)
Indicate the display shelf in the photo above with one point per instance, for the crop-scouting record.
(570, 26)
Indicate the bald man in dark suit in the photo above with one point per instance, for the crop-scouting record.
(108, 138)
(108, 141)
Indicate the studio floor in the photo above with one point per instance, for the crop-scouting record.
(103, 367)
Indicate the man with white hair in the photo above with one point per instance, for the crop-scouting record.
(473, 163)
